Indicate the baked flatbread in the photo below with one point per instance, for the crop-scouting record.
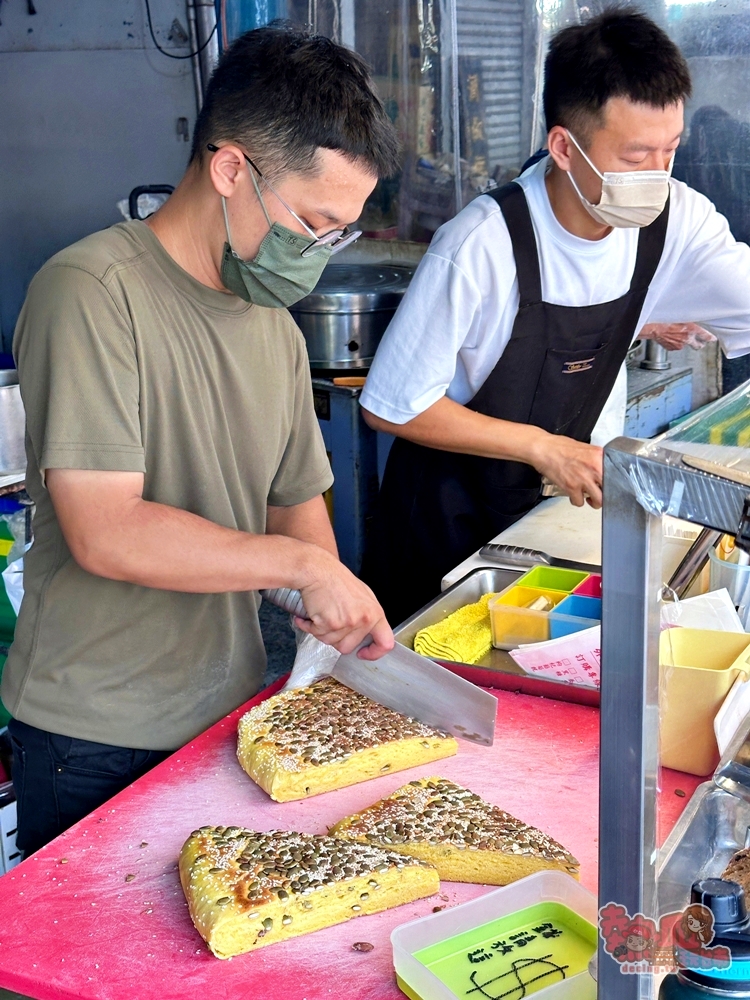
(311, 740)
(464, 837)
(246, 889)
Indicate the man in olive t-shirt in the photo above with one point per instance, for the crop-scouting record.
(173, 452)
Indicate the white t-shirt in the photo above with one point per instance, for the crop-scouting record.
(457, 315)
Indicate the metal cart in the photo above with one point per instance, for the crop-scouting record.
(643, 481)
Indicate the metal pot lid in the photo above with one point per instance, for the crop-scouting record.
(354, 288)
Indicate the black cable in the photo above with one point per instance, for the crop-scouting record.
(170, 55)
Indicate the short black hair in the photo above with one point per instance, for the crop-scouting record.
(283, 93)
(619, 53)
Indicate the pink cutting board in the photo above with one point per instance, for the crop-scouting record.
(79, 930)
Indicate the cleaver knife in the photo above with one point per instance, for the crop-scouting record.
(411, 684)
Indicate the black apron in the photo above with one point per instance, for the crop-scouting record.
(556, 372)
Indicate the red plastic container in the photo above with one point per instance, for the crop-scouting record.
(590, 587)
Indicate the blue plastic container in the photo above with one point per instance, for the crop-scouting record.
(573, 614)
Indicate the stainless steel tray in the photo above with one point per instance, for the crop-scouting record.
(497, 669)
(713, 826)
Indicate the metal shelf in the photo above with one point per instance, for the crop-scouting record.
(642, 482)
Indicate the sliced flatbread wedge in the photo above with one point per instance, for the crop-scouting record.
(464, 837)
(311, 740)
(246, 889)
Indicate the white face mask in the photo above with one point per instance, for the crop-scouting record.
(630, 199)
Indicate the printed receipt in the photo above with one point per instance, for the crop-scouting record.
(574, 659)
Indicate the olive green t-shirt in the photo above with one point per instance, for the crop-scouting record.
(128, 363)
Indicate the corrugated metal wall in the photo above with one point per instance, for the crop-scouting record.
(492, 31)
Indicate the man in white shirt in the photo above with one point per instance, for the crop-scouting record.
(506, 347)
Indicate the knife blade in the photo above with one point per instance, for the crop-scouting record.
(517, 555)
(418, 687)
(411, 684)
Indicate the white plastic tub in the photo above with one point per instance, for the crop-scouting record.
(417, 981)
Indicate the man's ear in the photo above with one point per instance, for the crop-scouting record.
(560, 146)
(227, 170)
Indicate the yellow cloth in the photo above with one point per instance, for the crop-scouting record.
(463, 637)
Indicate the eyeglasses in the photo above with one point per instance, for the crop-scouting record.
(334, 241)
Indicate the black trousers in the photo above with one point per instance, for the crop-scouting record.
(59, 780)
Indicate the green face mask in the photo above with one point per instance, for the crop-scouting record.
(279, 275)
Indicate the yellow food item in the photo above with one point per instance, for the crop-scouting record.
(540, 603)
(311, 740)
(463, 637)
(246, 889)
(725, 547)
(464, 837)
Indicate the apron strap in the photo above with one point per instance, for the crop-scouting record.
(513, 205)
(515, 209)
(650, 248)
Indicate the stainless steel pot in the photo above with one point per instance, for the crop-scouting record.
(12, 424)
(347, 313)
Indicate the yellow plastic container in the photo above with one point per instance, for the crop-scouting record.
(513, 622)
(697, 669)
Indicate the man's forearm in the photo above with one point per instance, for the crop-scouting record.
(113, 532)
(171, 549)
(307, 521)
(448, 426)
(574, 466)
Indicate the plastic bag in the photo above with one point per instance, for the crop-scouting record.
(13, 516)
(16, 523)
(13, 580)
(714, 611)
(147, 205)
(314, 660)
(714, 439)
(732, 713)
